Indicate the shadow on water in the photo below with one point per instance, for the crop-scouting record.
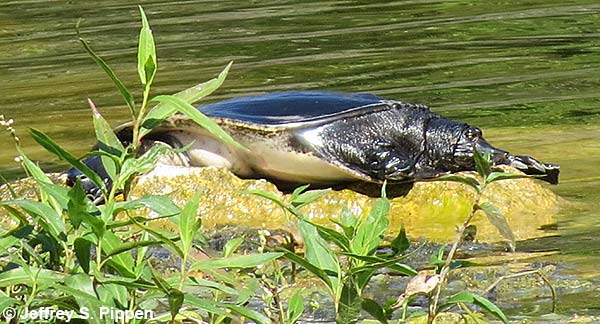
(527, 73)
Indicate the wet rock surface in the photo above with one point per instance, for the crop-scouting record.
(430, 209)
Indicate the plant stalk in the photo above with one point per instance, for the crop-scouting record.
(433, 307)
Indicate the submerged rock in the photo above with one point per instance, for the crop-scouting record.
(430, 209)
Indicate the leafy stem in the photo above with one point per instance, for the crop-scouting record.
(445, 270)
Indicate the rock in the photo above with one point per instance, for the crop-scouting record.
(431, 209)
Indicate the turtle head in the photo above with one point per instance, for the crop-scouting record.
(472, 139)
(93, 191)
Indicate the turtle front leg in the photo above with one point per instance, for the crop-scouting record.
(387, 162)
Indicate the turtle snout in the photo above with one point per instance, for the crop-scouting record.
(497, 156)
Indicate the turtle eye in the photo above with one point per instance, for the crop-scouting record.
(473, 133)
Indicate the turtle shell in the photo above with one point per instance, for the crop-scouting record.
(294, 108)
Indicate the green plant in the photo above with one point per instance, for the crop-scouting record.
(69, 254)
(345, 261)
(487, 175)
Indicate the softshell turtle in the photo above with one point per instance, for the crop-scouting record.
(327, 139)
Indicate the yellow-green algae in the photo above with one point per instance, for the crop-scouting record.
(431, 209)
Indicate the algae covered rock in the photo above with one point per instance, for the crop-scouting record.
(430, 209)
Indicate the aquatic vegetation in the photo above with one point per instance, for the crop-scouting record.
(346, 269)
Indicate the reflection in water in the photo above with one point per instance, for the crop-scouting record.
(526, 73)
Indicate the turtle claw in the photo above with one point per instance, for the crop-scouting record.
(547, 171)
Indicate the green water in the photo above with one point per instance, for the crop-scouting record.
(527, 72)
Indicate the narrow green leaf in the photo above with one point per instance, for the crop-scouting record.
(81, 282)
(248, 313)
(333, 236)
(238, 261)
(295, 307)
(468, 297)
(162, 205)
(458, 178)
(58, 192)
(84, 299)
(62, 154)
(189, 223)
(231, 246)
(199, 282)
(206, 305)
(482, 163)
(497, 219)
(21, 276)
(121, 262)
(7, 242)
(83, 248)
(348, 222)
(267, 195)
(375, 263)
(298, 191)
(374, 309)
(33, 169)
(175, 299)
(315, 270)
(113, 294)
(120, 86)
(78, 209)
(161, 283)
(318, 253)
(140, 165)
(107, 140)
(370, 232)
(146, 51)
(77, 204)
(400, 243)
(132, 245)
(497, 176)
(211, 126)
(51, 221)
(163, 110)
(308, 197)
(167, 241)
(349, 304)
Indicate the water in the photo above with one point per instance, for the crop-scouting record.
(527, 73)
